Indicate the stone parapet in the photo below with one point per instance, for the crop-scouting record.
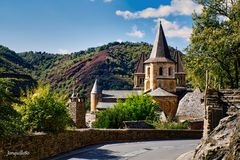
(42, 146)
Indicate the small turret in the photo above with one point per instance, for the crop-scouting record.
(180, 73)
(139, 74)
(95, 95)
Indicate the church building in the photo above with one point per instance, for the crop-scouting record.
(160, 76)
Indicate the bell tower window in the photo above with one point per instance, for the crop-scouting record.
(141, 81)
(170, 71)
(160, 71)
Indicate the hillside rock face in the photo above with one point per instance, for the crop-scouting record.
(223, 142)
(190, 106)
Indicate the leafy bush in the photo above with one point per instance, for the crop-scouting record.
(10, 123)
(134, 108)
(44, 111)
(170, 125)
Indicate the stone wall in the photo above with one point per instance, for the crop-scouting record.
(37, 147)
(217, 104)
(169, 105)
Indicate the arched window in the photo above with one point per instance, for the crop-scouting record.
(160, 71)
(170, 71)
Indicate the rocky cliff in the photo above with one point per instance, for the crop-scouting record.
(224, 140)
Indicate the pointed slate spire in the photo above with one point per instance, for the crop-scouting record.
(95, 88)
(178, 59)
(160, 51)
(140, 64)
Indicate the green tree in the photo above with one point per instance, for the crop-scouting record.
(44, 111)
(134, 108)
(215, 45)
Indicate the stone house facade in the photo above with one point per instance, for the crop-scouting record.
(160, 76)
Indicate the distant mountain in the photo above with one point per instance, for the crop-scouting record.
(15, 69)
(11, 62)
(113, 64)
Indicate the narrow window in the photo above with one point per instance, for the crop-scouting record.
(141, 81)
(161, 71)
(148, 70)
(170, 71)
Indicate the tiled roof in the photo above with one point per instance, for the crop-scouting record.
(159, 92)
(119, 94)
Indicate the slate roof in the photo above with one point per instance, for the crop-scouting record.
(105, 105)
(140, 64)
(119, 94)
(159, 92)
(160, 51)
(95, 88)
(179, 65)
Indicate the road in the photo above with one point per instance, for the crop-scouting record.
(148, 150)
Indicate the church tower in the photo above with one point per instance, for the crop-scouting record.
(139, 74)
(160, 67)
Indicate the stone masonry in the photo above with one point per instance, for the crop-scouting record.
(43, 146)
(77, 110)
(217, 105)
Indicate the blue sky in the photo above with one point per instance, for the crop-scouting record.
(64, 26)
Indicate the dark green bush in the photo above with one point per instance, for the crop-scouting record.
(134, 108)
(10, 123)
(44, 111)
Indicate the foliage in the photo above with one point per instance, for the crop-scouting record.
(9, 118)
(215, 45)
(11, 62)
(170, 125)
(44, 111)
(134, 108)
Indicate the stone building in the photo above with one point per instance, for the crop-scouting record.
(77, 110)
(160, 76)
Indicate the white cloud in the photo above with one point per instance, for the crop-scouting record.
(172, 29)
(177, 7)
(107, 1)
(63, 51)
(119, 40)
(135, 32)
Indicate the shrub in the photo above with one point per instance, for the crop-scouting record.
(134, 108)
(10, 123)
(44, 111)
(171, 125)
